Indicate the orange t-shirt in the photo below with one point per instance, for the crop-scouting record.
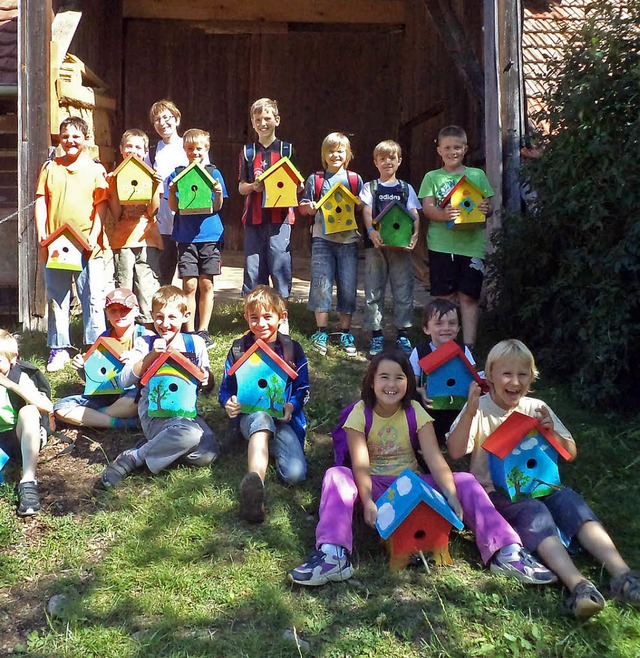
(134, 229)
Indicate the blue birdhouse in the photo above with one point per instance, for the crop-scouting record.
(262, 376)
(523, 458)
(412, 517)
(102, 366)
(449, 375)
(173, 383)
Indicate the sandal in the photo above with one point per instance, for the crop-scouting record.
(585, 600)
(626, 588)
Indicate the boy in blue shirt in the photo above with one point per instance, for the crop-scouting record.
(198, 238)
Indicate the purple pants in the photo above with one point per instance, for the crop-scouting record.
(339, 494)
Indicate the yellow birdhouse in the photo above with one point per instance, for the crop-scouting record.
(65, 248)
(134, 181)
(466, 196)
(281, 182)
(338, 207)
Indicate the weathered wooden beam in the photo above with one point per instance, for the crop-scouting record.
(63, 28)
(283, 11)
(70, 94)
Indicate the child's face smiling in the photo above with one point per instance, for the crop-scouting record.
(196, 151)
(389, 386)
(265, 124)
(133, 146)
(168, 320)
(166, 125)
(387, 165)
(442, 328)
(72, 141)
(263, 323)
(452, 150)
(121, 317)
(336, 158)
(510, 380)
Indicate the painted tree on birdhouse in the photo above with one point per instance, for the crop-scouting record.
(338, 207)
(395, 225)
(281, 181)
(65, 249)
(466, 196)
(194, 190)
(134, 181)
(102, 367)
(523, 458)
(262, 376)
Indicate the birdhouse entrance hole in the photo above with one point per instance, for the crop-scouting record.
(194, 188)
(134, 182)
(419, 534)
(262, 383)
(173, 387)
(338, 209)
(451, 382)
(396, 226)
(65, 249)
(531, 463)
(280, 184)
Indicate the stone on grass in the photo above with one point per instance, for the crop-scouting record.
(55, 603)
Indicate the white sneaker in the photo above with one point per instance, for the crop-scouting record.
(58, 359)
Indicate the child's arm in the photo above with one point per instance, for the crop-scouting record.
(115, 208)
(416, 229)
(299, 386)
(218, 198)
(459, 436)
(367, 218)
(438, 467)
(361, 467)
(28, 394)
(154, 204)
(98, 223)
(172, 196)
(40, 212)
(246, 188)
(434, 213)
(543, 414)
(307, 205)
(78, 365)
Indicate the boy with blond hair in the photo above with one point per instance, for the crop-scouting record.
(21, 404)
(198, 237)
(133, 234)
(265, 310)
(72, 189)
(393, 265)
(456, 256)
(267, 231)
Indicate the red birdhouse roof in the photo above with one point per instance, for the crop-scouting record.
(463, 181)
(180, 360)
(287, 165)
(111, 344)
(445, 353)
(510, 434)
(66, 228)
(141, 163)
(259, 344)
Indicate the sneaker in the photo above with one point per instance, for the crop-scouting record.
(585, 600)
(626, 588)
(404, 344)
(58, 359)
(319, 568)
(377, 345)
(206, 336)
(29, 499)
(252, 498)
(521, 565)
(319, 342)
(120, 468)
(348, 344)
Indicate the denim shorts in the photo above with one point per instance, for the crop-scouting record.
(333, 262)
(96, 402)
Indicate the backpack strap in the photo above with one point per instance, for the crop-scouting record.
(318, 182)
(352, 177)
(422, 349)
(189, 346)
(210, 168)
(368, 421)
(412, 422)
(179, 168)
(286, 150)
(404, 190)
(249, 152)
(288, 348)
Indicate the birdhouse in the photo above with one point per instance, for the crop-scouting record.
(4, 458)
(102, 366)
(449, 375)
(194, 185)
(338, 207)
(412, 517)
(466, 196)
(65, 249)
(395, 225)
(281, 182)
(262, 376)
(173, 386)
(134, 181)
(523, 458)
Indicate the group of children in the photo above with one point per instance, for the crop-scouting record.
(394, 412)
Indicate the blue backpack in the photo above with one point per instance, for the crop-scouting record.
(339, 433)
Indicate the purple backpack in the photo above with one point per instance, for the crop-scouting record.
(339, 433)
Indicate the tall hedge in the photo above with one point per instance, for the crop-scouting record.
(568, 271)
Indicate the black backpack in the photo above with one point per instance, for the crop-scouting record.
(42, 384)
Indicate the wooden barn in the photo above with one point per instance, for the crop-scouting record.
(373, 69)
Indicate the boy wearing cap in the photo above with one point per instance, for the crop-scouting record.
(102, 411)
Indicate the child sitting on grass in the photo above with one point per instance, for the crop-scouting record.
(20, 429)
(265, 310)
(105, 411)
(511, 370)
(172, 438)
(378, 458)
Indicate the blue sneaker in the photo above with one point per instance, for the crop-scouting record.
(320, 568)
(377, 345)
(319, 342)
(404, 344)
(348, 343)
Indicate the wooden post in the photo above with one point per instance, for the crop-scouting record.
(34, 28)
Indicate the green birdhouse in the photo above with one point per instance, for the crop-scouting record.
(395, 225)
(194, 185)
(134, 181)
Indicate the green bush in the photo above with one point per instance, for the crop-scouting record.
(568, 271)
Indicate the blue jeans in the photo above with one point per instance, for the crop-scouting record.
(333, 262)
(267, 252)
(395, 266)
(90, 287)
(284, 444)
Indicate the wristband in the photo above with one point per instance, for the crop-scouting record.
(371, 228)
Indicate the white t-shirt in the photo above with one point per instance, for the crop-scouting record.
(168, 157)
(367, 198)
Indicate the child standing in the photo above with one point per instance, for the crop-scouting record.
(510, 370)
(105, 411)
(456, 265)
(168, 439)
(168, 154)
(265, 310)
(334, 256)
(72, 189)
(198, 238)
(267, 231)
(378, 458)
(20, 430)
(441, 322)
(382, 265)
(134, 235)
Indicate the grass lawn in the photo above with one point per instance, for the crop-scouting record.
(164, 567)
